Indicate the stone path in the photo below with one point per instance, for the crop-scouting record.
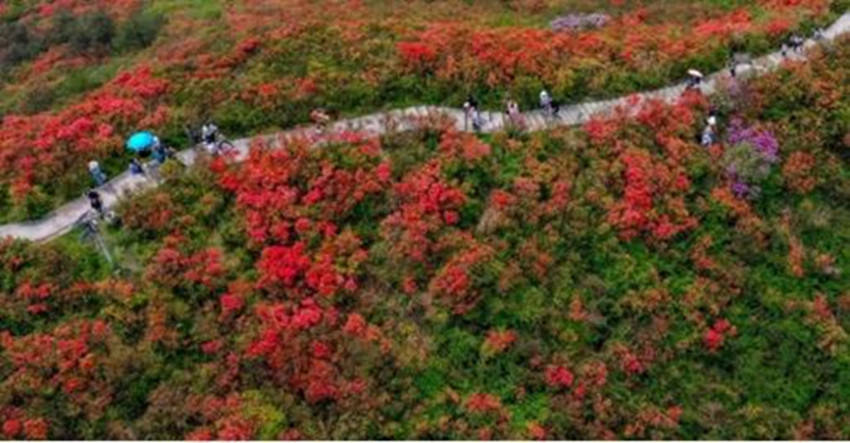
(63, 219)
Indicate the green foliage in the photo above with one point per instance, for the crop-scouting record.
(92, 32)
(17, 44)
(139, 31)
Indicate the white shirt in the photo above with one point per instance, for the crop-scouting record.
(93, 165)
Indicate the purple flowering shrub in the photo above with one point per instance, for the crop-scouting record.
(748, 160)
(579, 21)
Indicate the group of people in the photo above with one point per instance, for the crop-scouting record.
(473, 115)
(159, 154)
(210, 132)
(796, 42)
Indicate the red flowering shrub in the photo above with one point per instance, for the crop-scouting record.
(498, 341)
(797, 170)
(454, 282)
(558, 377)
(483, 402)
(716, 335)
(425, 202)
(69, 360)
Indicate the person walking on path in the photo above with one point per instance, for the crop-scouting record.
(708, 136)
(209, 134)
(471, 113)
(549, 106)
(162, 153)
(512, 109)
(96, 173)
(736, 59)
(794, 43)
(320, 118)
(95, 202)
(709, 132)
(712, 118)
(136, 167)
(694, 79)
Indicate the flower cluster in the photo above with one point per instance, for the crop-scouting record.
(579, 21)
(749, 159)
(717, 333)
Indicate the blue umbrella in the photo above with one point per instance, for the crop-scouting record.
(140, 141)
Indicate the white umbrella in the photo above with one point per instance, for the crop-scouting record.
(695, 73)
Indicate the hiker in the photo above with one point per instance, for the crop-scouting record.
(320, 118)
(712, 118)
(95, 201)
(818, 34)
(512, 109)
(733, 64)
(209, 133)
(472, 101)
(136, 167)
(470, 108)
(156, 143)
(796, 43)
(549, 106)
(707, 136)
(694, 78)
(96, 173)
(159, 154)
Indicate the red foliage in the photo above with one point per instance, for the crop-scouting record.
(35, 429)
(453, 282)
(233, 301)
(483, 402)
(654, 187)
(716, 335)
(558, 377)
(284, 265)
(416, 54)
(498, 341)
(630, 363)
(798, 172)
(12, 427)
(536, 431)
(463, 145)
(172, 267)
(424, 200)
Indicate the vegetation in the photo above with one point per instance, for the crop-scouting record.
(612, 281)
(263, 65)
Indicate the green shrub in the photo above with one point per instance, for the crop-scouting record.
(139, 31)
(17, 43)
(87, 33)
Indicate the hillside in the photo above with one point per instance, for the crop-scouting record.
(613, 280)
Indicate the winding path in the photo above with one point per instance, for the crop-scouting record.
(64, 218)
